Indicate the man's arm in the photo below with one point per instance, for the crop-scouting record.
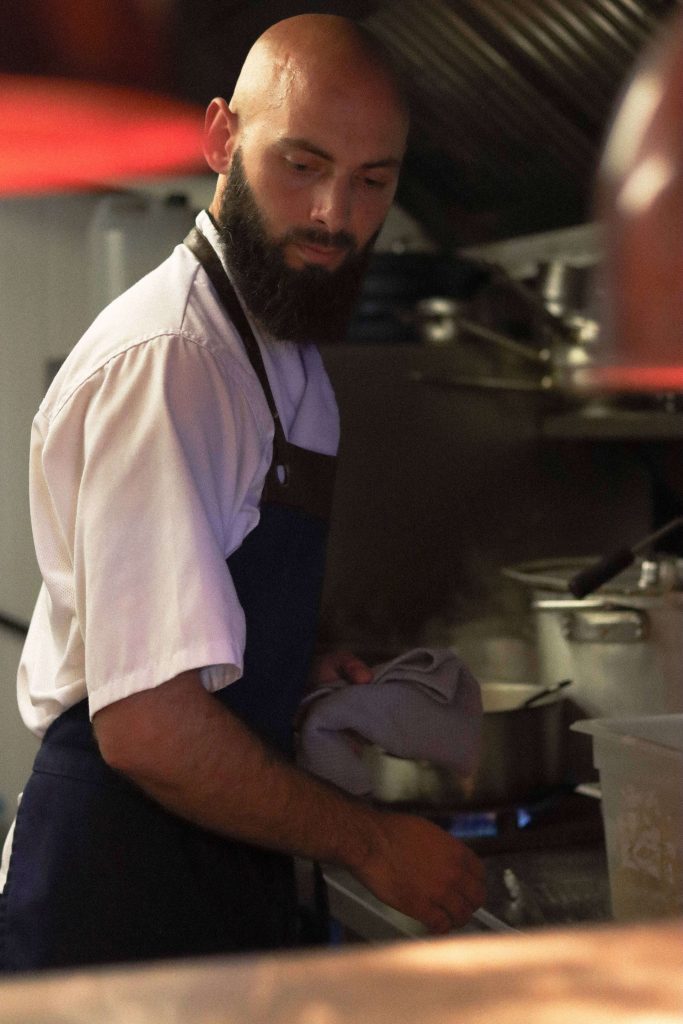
(189, 753)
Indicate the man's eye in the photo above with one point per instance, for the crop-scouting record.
(299, 166)
(374, 183)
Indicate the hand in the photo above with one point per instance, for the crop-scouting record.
(335, 665)
(424, 872)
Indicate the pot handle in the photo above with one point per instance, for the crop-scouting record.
(531, 702)
(589, 579)
(596, 622)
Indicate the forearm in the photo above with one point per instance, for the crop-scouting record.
(202, 763)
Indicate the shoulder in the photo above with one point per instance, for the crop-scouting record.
(169, 324)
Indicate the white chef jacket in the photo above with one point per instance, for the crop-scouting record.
(148, 457)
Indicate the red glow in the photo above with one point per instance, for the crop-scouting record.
(58, 134)
(633, 378)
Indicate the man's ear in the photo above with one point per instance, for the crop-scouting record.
(218, 139)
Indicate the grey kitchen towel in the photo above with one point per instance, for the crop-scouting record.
(423, 705)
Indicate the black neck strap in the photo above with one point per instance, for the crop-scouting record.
(198, 244)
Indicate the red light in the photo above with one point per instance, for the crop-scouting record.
(58, 134)
(632, 378)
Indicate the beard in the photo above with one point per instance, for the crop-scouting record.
(302, 305)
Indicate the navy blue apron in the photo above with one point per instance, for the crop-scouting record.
(100, 873)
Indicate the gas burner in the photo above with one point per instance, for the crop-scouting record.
(552, 819)
(480, 824)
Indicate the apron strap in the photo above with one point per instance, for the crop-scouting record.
(199, 245)
(296, 477)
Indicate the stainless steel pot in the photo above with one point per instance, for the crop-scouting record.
(522, 754)
(622, 646)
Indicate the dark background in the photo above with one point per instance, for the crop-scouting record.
(511, 97)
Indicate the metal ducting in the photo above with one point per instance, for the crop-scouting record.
(512, 97)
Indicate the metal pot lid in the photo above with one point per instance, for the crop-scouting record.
(647, 576)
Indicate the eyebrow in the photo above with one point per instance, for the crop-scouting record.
(310, 147)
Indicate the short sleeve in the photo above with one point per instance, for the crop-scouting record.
(164, 485)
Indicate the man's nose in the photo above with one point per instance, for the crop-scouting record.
(331, 207)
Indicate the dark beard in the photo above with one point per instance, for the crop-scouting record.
(310, 304)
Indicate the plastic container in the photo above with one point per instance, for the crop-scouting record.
(640, 761)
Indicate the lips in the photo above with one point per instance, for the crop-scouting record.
(324, 255)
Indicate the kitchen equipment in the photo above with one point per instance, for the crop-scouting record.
(622, 647)
(522, 755)
(437, 320)
(568, 293)
(491, 922)
(588, 580)
(536, 698)
(639, 201)
(640, 761)
(564, 286)
(396, 281)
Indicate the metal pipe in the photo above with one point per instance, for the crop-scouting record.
(503, 341)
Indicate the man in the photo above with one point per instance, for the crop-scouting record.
(178, 434)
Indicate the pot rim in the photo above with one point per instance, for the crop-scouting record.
(530, 690)
(554, 574)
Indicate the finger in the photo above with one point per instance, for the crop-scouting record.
(472, 865)
(469, 897)
(327, 669)
(471, 885)
(459, 908)
(437, 921)
(355, 670)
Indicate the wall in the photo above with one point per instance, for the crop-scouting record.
(42, 269)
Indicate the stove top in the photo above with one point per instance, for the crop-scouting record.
(549, 887)
(545, 864)
(545, 860)
(555, 818)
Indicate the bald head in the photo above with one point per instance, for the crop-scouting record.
(314, 136)
(312, 51)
